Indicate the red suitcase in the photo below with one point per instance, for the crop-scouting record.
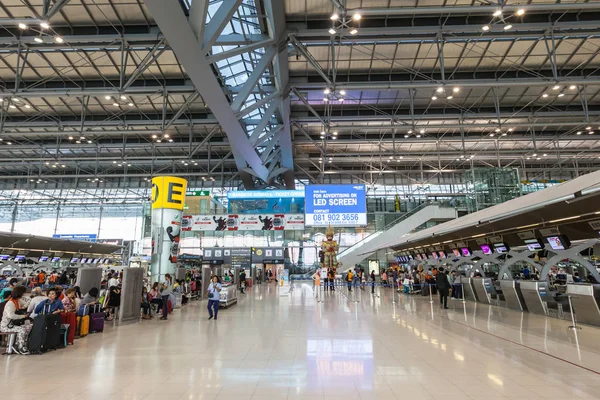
(71, 319)
(170, 307)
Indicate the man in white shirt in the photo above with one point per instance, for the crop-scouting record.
(114, 281)
(37, 297)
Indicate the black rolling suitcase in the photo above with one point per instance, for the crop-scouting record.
(425, 289)
(45, 333)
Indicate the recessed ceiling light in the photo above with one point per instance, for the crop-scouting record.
(38, 39)
(433, 97)
(449, 97)
(588, 128)
(418, 136)
(82, 138)
(356, 17)
(439, 90)
(497, 13)
(327, 91)
(507, 27)
(572, 87)
(504, 134)
(107, 97)
(561, 94)
(485, 28)
(353, 31)
(520, 11)
(9, 143)
(556, 87)
(545, 95)
(334, 17)
(343, 92)
(70, 137)
(166, 136)
(456, 90)
(405, 136)
(58, 39)
(154, 136)
(130, 104)
(123, 97)
(89, 142)
(422, 131)
(497, 130)
(158, 141)
(12, 106)
(410, 131)
(491, 135)
(44, 25)
(331, 31)
(578, 133)
(77, 141)
(325, 99)
(27, 106)
(510, 129)
(335, 133)
(22, 26)
(116, 104)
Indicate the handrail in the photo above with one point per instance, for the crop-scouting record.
(391, 224)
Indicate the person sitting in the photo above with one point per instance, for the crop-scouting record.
(146, 304)
(37, 297)
(155, 297)
(51, 306)
(69, 300)
(12, 283)
(14, 319)
(90, 297)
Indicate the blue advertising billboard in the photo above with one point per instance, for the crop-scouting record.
(87, 237)
(335, 205)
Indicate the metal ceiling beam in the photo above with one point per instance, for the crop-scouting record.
(301, 84)
(100, 92)
(476, 10)
(56, 8)
(218, 22)
(174, 24)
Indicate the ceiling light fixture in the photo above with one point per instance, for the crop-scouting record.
(589, 128)
(433, 97)
(82, 138)
(545, 95)
(27, 106)
(504, 134)
(439, 90)
(327, 91)
(39, 40)
(357, 17)
(335, 133)
(343, 92)
(89, 142)
(497, 130)
(77, 141)
(418, 136)
(578, 133)
(510, 129)
(561, 94)
(520, 11)
(130, 104)
(485, 28)
(22, 26)
(422, 131)
(556, 87)
(456, 90)
(449, 97)
(167, 136)
(70, 137)
(572, 87)
(44, 25)
(58, 39)
(405, 136)
(334, 17)
(116, 104)
(353, 31)
(341, 99)
(325, 99)
(123, 97)
(497, 13)
(410, 131)
(491, 135)
(332, 31)
(507, 27)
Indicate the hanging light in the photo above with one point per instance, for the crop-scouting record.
(327, 91)
(353, 31)
(22, 26)
(58, 39)
(343, 92)
(38, 40)
(356, 17)
(520, 12)
(332, 31)
(497, 13)
(507, 27)
(334, 17)
(439, 90)
(433, 97)
(44, 25)
(485, 28)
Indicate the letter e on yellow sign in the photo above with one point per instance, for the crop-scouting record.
(168, 192)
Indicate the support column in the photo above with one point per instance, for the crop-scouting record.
(168, 194)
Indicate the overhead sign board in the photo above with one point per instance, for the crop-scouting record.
(265, 194)
(336, 205)
(197, 193)
(168, 192)
(86, 237)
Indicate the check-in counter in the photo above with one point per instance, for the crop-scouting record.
(468, 289)
(483, 289)
(512, 295)
(228, 295)
(585, 299)
(535, 294)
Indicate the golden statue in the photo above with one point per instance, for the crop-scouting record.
(330, 248)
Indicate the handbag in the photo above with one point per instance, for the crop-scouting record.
(16, 322)
(210, 295)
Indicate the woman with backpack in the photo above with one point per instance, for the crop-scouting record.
(14, 319)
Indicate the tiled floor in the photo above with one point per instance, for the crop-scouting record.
(357, 347)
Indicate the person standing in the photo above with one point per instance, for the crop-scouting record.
(317, 279)
(167, 289)
(331, 277)
(214, 294)
(349, 279)
(243, 281)
(372, 281)
(442, 284)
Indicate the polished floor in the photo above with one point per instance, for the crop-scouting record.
(349, 346)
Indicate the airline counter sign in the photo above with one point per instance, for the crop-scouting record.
(168, 192)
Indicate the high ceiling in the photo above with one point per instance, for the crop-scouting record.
(234, 91)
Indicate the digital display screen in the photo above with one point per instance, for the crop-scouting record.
(106, 260)
(4, 257)
(43, 259)
(501, 247)
(418, 256)
(410, 257)
(556, 242)
(74, 259)
(55, 259)
(456, 252)
(96, 261)
(466, 252)
(434, 254)
(83, 260)
(442, 254)
(89, 261)
(335, 205)
(485, 248)
(19, 258)
(533, 244)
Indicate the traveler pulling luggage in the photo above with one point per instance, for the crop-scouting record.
(45, 334)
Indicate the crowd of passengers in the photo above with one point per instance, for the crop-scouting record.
(19, 304)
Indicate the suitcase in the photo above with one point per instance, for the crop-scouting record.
(71, 319)
(96, 319)
(83, 326)
(169, 306)
(178, 300)
(45, 333)
(64, 333)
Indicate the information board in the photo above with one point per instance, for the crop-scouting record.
(336, 205)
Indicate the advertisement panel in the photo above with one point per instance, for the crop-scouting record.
(235, 222)
(336, 205)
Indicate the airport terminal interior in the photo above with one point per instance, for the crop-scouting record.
(299, 199)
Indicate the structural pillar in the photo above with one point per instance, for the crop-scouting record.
(168, 194)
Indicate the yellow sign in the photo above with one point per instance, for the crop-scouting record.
(168, 192)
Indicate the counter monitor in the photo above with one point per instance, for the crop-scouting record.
(534, 244)
(43, 259)
(466, 252)
(501, 247)
(442, 254)
(486, 249)
(456, 252)
(559, 242)
(55, 259)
